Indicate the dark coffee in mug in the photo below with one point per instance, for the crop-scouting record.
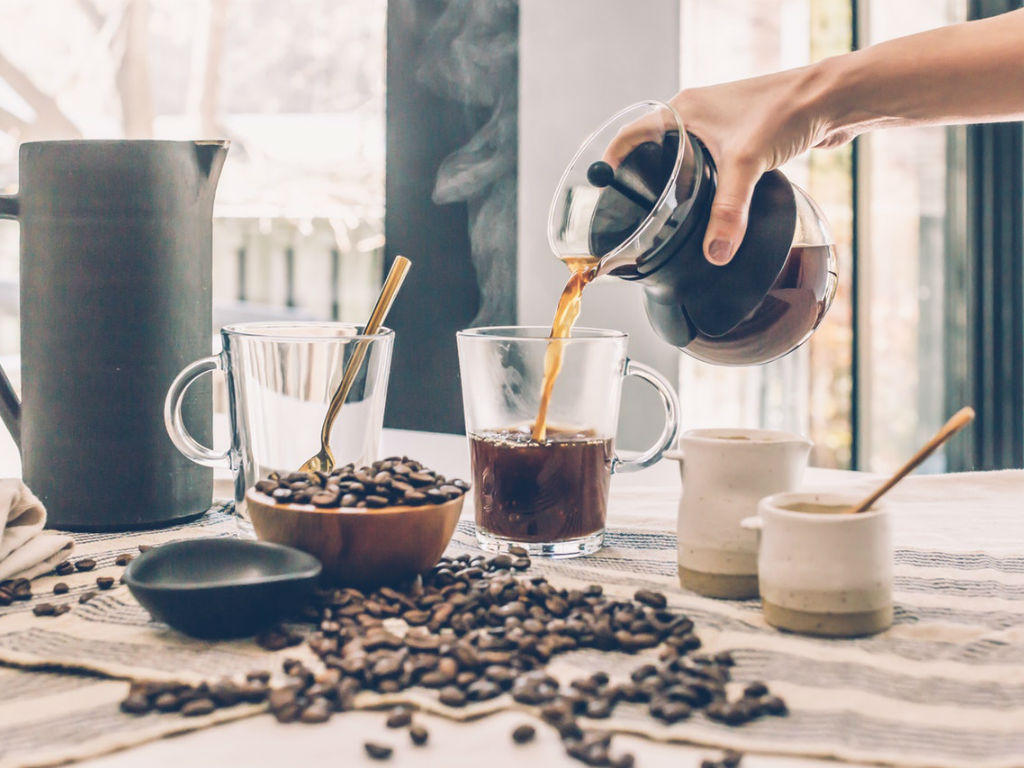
(540, 491)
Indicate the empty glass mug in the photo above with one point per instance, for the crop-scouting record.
(280, 380)
(549, 495)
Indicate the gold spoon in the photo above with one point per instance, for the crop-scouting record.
(324, 460)
(960, 419)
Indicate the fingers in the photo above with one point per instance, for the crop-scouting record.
(650, 127)
(728, 221)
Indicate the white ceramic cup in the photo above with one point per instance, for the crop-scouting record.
(824, 572)
(725, 473)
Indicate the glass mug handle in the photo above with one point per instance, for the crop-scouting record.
(670, 401)
(174, 422)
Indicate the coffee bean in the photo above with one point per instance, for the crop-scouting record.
(123, 559)
(724, 658)
(377, 751)
(523, 734)
(60, 588)
(64, 568)
(451, 696)
(517, 551)
(419, 735)
(773, 705)
(755, 690)
(44, 609)
(85, 564)
(625, 760)
(324, 499)
(136, 704)
(599, 709)
(104, 582)
(399, 718)
(86, 597)
(731, 758)
(197, 708)
(318, 711)
(482, 690)
(648, 597)
(167, 702)
(673, 711)
(376, 501)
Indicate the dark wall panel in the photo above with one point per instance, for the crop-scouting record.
(452, 85)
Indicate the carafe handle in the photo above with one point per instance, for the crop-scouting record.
(670, 402)
(10, 406)
(175, 424)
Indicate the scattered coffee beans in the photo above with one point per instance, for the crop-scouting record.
(85, 564)
(395, 481)
(523, 734)
(477, 630)
(60, 588)
(123, 559)
(64, 568)
(419, 735)
(86, 597)
(104, 582)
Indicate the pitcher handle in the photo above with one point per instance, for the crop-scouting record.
(10, 406)
(8, 206)
(669, 401)
(174, 422)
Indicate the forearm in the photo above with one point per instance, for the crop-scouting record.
(965, 73)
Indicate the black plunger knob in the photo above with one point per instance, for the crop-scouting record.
(601, 175)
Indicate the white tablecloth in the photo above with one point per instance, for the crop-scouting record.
(646, 500)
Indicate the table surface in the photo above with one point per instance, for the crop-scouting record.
(261, 741)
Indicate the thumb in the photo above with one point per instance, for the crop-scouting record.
(728, 221)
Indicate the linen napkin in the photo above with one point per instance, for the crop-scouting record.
(25, 549)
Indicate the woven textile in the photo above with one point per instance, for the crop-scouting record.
(943, 687)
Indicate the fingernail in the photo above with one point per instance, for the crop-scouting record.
(720, 252)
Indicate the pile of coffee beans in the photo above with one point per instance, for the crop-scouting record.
(394, 481)
(474, 629)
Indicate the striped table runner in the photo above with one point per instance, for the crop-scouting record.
(943, 687)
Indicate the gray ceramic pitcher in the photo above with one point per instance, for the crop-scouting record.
(115, 300)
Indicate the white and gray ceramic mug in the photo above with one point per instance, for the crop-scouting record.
(725, 473)
(821, 570)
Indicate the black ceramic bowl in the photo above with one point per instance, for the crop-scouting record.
(213, 588)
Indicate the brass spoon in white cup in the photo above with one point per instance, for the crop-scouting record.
(960, 419)
(324, 460)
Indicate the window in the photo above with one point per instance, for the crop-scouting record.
(868, 387)
(298, 223)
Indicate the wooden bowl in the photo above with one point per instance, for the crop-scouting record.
(360, 547)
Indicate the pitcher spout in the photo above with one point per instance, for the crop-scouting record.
(210, 157)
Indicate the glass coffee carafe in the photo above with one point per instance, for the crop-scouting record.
(636, 199)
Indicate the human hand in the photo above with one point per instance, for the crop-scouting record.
(749, 127)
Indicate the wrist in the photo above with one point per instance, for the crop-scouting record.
(831, 91)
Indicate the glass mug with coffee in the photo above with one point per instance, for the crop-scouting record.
(541, 477)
